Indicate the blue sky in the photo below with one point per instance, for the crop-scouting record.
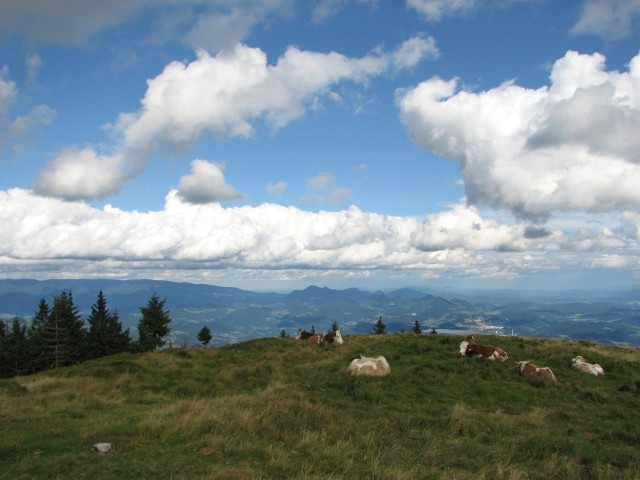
(273, 144)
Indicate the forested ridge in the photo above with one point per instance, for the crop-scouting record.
(58, 336)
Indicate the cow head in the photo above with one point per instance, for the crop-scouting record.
(338, 337)
(463, 348)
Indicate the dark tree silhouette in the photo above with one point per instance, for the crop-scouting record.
(36, 337)
(14, 347)
(416, 328)
(379, 328)
(64, 335)
(204, 336)
(105, 336)
(154, 324)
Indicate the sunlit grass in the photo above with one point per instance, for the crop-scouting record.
(275, 408)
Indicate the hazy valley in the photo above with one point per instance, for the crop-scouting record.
(235, 315)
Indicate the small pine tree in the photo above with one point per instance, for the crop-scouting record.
(204, 336)
(416, 328)
(379, 328)
(154, 324)
(284, 334)
(334, 327)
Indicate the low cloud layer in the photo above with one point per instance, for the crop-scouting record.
(568, 147)
(63, 236)
(228, 95)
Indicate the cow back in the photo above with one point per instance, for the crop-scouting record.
(377, 366)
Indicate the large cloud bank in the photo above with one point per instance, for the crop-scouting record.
(572, 146)
(61, 238)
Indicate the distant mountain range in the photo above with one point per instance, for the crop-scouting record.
(235, 315)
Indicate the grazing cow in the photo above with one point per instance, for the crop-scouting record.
(377, 366)
(527, 369)
(580, 364)
(488, 351)
(333, 337)
(303, 335)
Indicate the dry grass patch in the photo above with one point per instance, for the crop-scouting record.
(462, 421)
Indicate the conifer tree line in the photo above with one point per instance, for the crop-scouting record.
(58, 336)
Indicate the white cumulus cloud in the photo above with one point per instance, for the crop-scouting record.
(463, 227)
(206, 184)
(566, 147)
(227, 95)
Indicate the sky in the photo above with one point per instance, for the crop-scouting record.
(276, 144)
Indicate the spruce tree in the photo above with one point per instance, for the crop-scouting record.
(204, 336)
(379, 328)
(105, 335)
(14, 349)
(36, 335)
(4, 349)
(154, 324)
(416, 328)
(64, 335)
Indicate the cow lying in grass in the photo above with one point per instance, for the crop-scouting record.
(333, 337)
(315, 339)
(319, 338)
(377, 366)
(580, 364)
(487, 351)
(304, 335)
(528, 369)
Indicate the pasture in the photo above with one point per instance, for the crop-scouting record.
(276, 409)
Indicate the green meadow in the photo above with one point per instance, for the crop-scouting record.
(278, 409)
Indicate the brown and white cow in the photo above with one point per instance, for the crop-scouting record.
(580, 364)
(487, 351)
(528, 369)
(303, 335)
(319, 338)
(333, 337)
(314, 339)
(376, 366)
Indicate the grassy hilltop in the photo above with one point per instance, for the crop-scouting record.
(277, 409)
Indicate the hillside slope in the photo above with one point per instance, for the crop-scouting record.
(275, 408)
